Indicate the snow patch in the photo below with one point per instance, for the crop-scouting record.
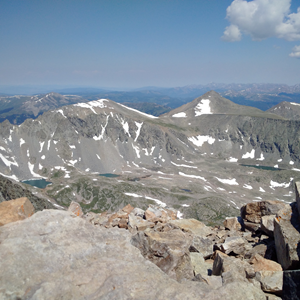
(160, 203)
(91, 104)
(228, 181)
(179, 115)
(31, 167)
(137, 151)
(7, 162)
(179, 215)
(139, 126)
(14, 177)
(232, 159)
(220, 189)
(249, 187)
(41, 146)
(261, 157)
(182, 165)
(61, 111)
(291, 162)
(164, 178)
(249, 154)
(274, 184)
(203, 107)
(152, 149)
(73, 162)
(201, 139)
(125, 127)
(21, 142)
(100, 137)
(192, 176)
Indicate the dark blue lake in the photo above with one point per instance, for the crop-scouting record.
(39, 183)
(109, 175)
(262, 167)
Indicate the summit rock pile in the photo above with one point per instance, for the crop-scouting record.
(137, 254)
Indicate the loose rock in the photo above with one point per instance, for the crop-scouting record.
(15, 210)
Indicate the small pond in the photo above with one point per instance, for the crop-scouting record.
(262, 167)
(186, 190)
(39, 183)
(109, 175)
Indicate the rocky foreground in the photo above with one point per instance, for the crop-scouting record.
(136, 254)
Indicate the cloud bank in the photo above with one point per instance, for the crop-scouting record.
(262, 19)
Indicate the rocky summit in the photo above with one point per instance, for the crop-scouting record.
(149, 254)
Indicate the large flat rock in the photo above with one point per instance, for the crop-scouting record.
(54, 255)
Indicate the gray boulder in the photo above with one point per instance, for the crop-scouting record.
(235, 269)
(199, 265)
(68, 258)
(235, 244)
(267, 225)
(287, 237)
(199, 232)
(168, 250)
(271, 281)
(232, 223)
(252, 212)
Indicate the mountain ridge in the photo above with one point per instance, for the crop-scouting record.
(196, 168)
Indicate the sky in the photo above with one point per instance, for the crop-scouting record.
(137, 43)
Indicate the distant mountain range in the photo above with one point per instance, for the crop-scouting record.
(151, 100)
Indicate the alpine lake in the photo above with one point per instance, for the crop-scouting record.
(39, 183)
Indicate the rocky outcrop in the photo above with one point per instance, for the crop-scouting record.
(67, 257)
(125, 253)
(254, 211)
(15, 210)
(10, 190)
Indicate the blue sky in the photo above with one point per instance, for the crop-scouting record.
(136, 43)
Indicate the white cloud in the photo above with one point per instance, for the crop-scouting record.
(295, 52)
(232, 34)
(262, 19)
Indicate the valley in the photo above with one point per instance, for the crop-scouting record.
(192, 158)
